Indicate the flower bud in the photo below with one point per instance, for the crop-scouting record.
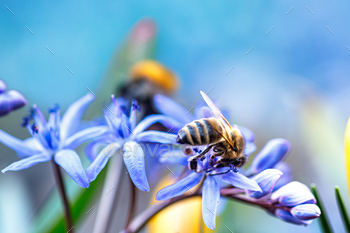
(306, 212)
(266, 180)
(288, 217)
(274, 151)
(292, 194)
(3, 86)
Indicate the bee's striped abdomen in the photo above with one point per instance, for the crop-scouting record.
(200, 132)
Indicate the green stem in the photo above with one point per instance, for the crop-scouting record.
(323, 220)
(343, 212)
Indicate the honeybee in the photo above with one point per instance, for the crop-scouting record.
(216, 132)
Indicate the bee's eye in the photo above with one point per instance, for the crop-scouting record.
(216, 150)
(237, 162)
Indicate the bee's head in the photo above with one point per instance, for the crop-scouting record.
(237, 142)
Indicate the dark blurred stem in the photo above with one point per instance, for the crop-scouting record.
(62, 191)
(268, 205)
(141, 220)
(109, 197)
(133, 199)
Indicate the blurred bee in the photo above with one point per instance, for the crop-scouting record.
(148, 78)
(216, 132)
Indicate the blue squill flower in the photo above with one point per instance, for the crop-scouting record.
(54, 139)
(300, 203)
(182, 116)
(211, 189)
(10, 100)
(124, 136)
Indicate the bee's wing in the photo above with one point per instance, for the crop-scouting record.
(225, 125)
(217, 113)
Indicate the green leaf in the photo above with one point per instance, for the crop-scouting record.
(323, 219)
(343, 212)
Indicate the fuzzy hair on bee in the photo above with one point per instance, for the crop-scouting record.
(226, 141)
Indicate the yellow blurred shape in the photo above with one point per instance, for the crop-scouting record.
(155, 73)
(347, 151)
(184, 216)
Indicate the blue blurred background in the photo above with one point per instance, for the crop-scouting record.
(294, 83)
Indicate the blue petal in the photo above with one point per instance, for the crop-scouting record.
(93, 148)
(240, 181)
(306, 212)
(101, 160)
(287, 175)
(247, 134)
(156, 136)
(210, 202)
(11, 101)
(118, 106)
(32, 143)
(180, 187)
(249, 148)
(134, 160)
(55, 120)
(152, 119)
(292, 194)
(84, 135)
(27, 162)
(70, 120)
(3, 86)
(112, 122)
(134, 108)
(288, 217)
(274, 151)
(171, 108)
(125, 126)
(70, 162)
(266, 180)
(174, 156)
(38, 117)
(18, 145)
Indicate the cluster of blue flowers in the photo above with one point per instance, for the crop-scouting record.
(267, 182)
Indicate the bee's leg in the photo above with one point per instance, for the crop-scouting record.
(201, 154)
(217, 162)
(212, 157)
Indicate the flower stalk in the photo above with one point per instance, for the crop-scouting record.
(109, 197)
(141, 220)
(62, 191)
(133, 200)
